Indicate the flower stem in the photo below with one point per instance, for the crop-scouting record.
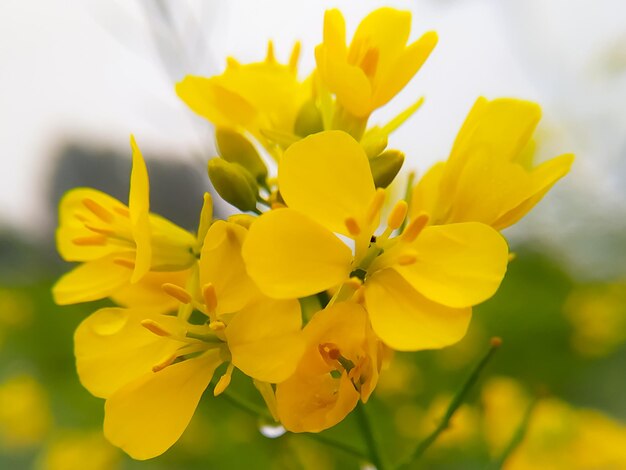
(368, 433)
(454, 405)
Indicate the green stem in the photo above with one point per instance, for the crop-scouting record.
(517, 438)
(368, 434)
(454, 405)
(348, 449)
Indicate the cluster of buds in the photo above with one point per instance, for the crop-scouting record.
(309, 289)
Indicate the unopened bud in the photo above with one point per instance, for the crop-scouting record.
(233, 183)
(309, 120)
(374, 142)
(385, 167)
(235, 148)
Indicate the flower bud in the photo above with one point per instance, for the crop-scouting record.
(374, 143)
(233, 183)
(385, 167)
(235, 148)
(309, 120)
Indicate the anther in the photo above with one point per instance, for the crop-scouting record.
(217, 325)
(354, 282)
(123, 211)
(96, 240)
(177, 292)
(376, 205)
(97, 210)
(353, 226)
(224, 381)
(397, 215)
(167, 362)
(407, 258)
(210, 297)
(124, 262)
(414, 228)
(154, 327)
(99, 230)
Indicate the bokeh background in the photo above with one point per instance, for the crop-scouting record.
(77, 77)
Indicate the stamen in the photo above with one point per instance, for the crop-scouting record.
(155, 328)
(407, 258)
(96, 240)
(295, 55)
(124, 262)
(217, 325)
(376, 205)
(123, 211)
(177, 292)
(210, 297)
(224, 381)
(354, 282)
(167, 362)
(103, 214)
(99, 230)
(353, 226)
(414, 228)
(397, 215)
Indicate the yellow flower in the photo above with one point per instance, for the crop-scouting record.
(378, 63)
(78, 450)
(340, 366)
(152, 369)
(418, 286)
(486, 178)
(256, 97)
(117, 244)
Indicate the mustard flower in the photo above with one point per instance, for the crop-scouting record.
(377, 64)
(117, 244)
(487, 177)
(418, 286)
(152, 369)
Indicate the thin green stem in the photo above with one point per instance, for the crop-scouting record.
(454, 405)
(517, 438)
(368, 433)
(348, 449)
(257, 211)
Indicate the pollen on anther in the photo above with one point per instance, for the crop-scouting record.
(376, 205)
(353, 226)
(177, 292)
(96, 240)
(124, 262)
(210, 296)
(415, 227)
(397, 215)
(167, 362)
(97, 210)
(154, 327)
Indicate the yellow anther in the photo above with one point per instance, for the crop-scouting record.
(353, 282)
(96, 240)
(353, 226)
(210, 296)
(224, 381)
(397, 215)
(414, 228)
(123, 211)
(295, 56)
(124, 262)
(100, 230)
(217, 325)
(154, 327)
(103, 214)
(167, 362)
(177, 292)
(376, 205)
(407, 258)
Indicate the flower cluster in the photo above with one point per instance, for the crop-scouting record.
(232, 295)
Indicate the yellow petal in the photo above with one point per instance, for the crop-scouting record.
(91, 281)
(335, 34)
(113, 349)
(147, 416)
(327, 176)
(149, 294)
(401, 71)
(406, 320)
(426, 194)
(458, 265)
(265, 339)
(139, 206)
(172, 246)
(542, 178)
(222, 265)
(288, 255)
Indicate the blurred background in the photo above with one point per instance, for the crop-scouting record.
(78, 77)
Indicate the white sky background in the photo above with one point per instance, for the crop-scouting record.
(90, 71)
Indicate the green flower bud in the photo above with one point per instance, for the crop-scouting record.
(235, 148)
(385, 167)
(309, 120)
(233, 183)
(374, 142)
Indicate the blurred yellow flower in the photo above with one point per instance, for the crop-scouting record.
(487, 177)
(418, 287)
(340, 366)
(25, 416)
(377, 64)
(79, 451)
(116, 244)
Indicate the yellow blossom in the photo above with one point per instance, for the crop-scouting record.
(486, 178)
(116, 244)
(340, 366)
(256, 97)
(153, 368)
(377, 64)
(418, 287)
(74, 450)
